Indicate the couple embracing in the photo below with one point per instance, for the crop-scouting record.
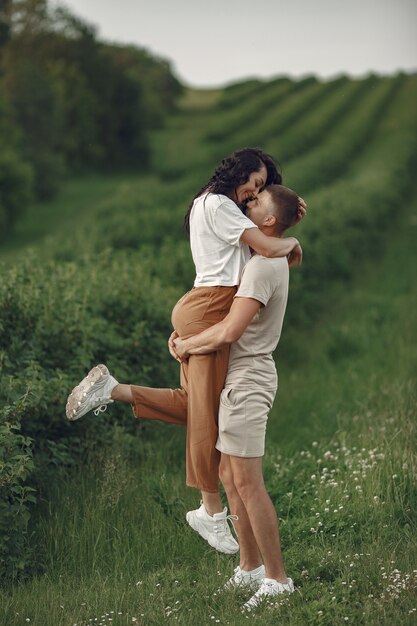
(225, 331)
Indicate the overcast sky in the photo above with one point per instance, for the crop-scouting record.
(213, 42)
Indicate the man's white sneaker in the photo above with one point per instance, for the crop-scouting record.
(214, 529)
(93, 392)
(243, 578)
(268, 589)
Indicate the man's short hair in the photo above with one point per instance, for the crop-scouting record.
(285, 206)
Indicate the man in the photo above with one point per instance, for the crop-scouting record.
(252, 327)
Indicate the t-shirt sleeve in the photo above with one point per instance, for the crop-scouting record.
(229, 222)
(259, 280)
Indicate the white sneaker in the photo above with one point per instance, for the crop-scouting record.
(215, 529)
(243, 578)
(93, 392)
(269, 588)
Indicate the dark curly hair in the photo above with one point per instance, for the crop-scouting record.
(235, 170)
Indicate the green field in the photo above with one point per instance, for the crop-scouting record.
(92, 276)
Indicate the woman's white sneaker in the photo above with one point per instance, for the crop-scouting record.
(243, 578)
(268, 589)
(93, 392)
(214, 529)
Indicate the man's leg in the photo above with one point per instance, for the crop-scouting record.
(250, 557)
(249, 484)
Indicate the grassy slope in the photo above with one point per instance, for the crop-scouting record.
(121, 544)
(350, 389)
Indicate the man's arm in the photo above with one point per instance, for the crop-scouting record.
(222, 334)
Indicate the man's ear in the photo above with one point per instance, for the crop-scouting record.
(269, 220)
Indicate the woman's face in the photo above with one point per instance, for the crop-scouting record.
(253, 185)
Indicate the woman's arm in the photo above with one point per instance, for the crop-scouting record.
(272, 246)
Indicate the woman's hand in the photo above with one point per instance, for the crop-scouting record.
(302, 210)
(179, 347)
(171, 345)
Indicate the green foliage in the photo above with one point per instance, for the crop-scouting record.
(235, 93)
(15, 174)
(278, 115)
(248, 107)
(312, 126)
(345, 508)
(100, 288)
(154, 77)
(332, 158)
(16, 495)
(31, 92)
(58, 319)
(80, 104)
(15, 189)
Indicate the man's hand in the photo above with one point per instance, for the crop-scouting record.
(171, 346)
(295, 256)
(302, 210)
(179, 347)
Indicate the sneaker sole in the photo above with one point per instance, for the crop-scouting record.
(73, 408)
(195, 525)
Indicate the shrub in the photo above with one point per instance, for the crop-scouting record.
(15, 189)
(16, 496)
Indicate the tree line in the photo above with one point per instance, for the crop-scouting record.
(70, 103)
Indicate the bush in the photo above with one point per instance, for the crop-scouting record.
(15, 189)
(62, 310)
(78, 103)
(16, 496)
(15, 173)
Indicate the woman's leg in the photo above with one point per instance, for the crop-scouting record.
(172, 406)
(122, 393)
(206, 374)
(166, 405)
(205, 377)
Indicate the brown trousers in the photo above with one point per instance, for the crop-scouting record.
(202, 377)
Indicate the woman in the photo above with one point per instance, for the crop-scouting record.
(220, 237)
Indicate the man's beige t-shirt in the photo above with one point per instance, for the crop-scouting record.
(250, 362)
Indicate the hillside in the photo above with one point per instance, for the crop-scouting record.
(92, 276)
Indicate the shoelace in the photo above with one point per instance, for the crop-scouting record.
(234, 580)
(100, 409)
(267, 586)
(258, 595)
(224, 527)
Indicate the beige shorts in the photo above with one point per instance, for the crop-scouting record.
(243, 416)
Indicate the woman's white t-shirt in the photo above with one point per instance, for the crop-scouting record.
(216, 225)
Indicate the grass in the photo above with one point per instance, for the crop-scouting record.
(74, 201)
(109, 535)
(340, 468)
